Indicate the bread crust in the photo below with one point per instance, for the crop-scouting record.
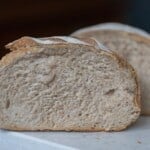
(112, 26)
(90, 129)
(73, 129)
(26, 45)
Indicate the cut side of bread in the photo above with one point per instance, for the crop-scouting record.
(65, 83)
(131, 43)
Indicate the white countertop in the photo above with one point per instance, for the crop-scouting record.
(136, 137)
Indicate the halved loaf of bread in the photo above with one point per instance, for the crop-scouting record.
(131, 43)
(64, 83)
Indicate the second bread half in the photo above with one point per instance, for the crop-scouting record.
(131, 43)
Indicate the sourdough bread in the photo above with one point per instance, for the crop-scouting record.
(64, 83)
(131, 43)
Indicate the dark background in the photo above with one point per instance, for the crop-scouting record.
(41, 18)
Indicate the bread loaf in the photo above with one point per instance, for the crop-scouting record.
(64, 83)
(131, 43)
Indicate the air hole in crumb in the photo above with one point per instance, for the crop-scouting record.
(118, 105)
(130, 91)
(73, 59)
(110, 92)
(79, 114)
(36, 94)
(18, 75)
(68, 116)
(7, 104)
(94, 125)
(87, 115)
(106, 77)
(127, 103)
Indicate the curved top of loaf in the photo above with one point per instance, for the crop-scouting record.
(27, 45)
(114, 26)
(26, 42)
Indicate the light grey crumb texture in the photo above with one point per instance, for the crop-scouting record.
(76, 90)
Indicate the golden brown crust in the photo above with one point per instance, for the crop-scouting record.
(19, 48)
(22, 44)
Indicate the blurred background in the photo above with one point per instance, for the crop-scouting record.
(42, 18)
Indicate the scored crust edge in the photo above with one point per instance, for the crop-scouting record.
(27, 45)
